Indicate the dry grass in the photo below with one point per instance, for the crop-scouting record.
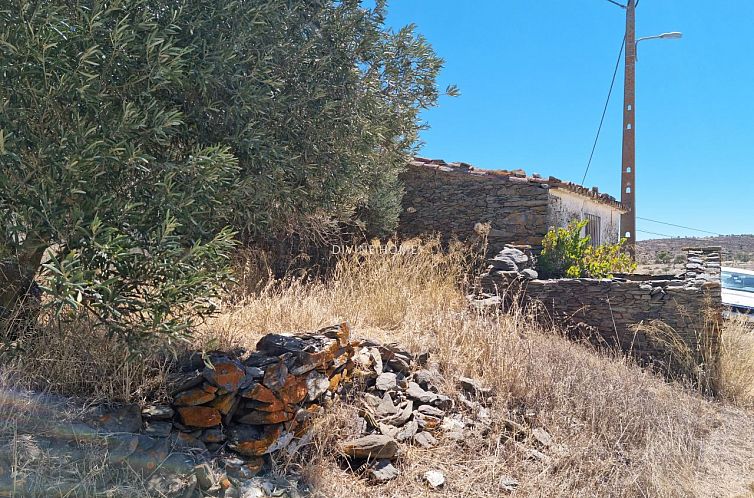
(618, 430)
(736, 376)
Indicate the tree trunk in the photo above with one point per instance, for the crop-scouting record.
(19, 293)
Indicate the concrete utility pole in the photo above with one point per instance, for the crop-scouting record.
(628, 162)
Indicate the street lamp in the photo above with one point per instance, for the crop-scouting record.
(673, 35)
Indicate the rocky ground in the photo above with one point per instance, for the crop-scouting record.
(236, 416)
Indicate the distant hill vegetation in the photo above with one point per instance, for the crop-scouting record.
(738, 250)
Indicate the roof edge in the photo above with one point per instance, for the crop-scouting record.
(519, 176)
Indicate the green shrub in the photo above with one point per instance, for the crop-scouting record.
(566, 253)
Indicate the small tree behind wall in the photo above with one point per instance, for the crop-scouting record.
(567, 253)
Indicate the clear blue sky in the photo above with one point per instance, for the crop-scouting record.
(534, 75)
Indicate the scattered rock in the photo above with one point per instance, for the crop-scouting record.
(473, 387)
(373, 446)
(205, 477)
(542, 437)
(157, 412)
(382, 471)
(408, 431)
(386, 381)
(425, 440)
(386, 408)
(434, 479)
(509, 484)
(172, 486)
(431, 410)
(126, 418)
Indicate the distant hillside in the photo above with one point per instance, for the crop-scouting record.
(738, 250)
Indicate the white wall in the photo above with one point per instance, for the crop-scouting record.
(566, 206)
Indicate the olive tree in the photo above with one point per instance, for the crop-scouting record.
(140, 138)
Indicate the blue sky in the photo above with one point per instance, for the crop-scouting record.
(534, 75)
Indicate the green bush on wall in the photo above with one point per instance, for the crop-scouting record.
(567, 253)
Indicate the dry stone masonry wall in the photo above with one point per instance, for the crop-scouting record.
(453, 200)
(456, 199)
(645, 317)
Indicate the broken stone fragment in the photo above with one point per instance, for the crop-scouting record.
(259, 360)
(157, 412)
(316, 384)
(373, 446)
(294, 390)
(382, 471)
(224, 403)
(431, 410)
(120, 447)
(415, 391)
(253, 440)
(225, 373)
(425, 440)
(408, 431)
(261, 393)
(386, 381)
(434, 479)
(402, 416)
(387, 429)
(199, 416)
(158, 428)
(126, 418)
(213, 435)
(542, 437)
(195, 396)
(205, 476)
(426, 422)
(257, 417)
(185, 381)
(386, 407)
(427, 379)
(275, 376)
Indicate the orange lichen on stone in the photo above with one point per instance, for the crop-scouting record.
(200, 416)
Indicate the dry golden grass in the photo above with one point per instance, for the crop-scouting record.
(618, 430)
(736, 376)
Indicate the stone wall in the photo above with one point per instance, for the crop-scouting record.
(641, 317)
(451, 201)
(455, 199)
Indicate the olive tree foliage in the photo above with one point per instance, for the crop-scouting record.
(319, 102)
(140, 138)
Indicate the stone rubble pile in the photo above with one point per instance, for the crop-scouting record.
(256, 403)
(231, 413)
(401, 405)
(502, 282)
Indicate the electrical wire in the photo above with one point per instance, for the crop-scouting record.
(616, 3)
(677, 226)
(655, 233)
(604, 110)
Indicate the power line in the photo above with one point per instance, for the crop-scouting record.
(616, 3)
(677, 226)
(604, 110)
(655, 233)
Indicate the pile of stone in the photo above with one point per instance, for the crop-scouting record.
(513, 262)
(402, 405)
(256, 403)
(506, 276)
